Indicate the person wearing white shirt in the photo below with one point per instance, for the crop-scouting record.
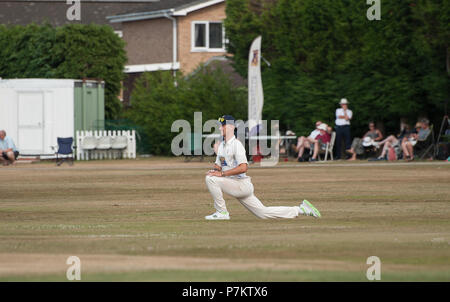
(342, 126)
(229, 176)
(306, 142)
(8, 150)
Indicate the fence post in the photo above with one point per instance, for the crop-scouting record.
(130, 146)
(134, 143)
(111, 140)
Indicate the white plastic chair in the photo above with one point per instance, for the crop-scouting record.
(119, 144)
(89, 143)
(104, 143)
(329, 147)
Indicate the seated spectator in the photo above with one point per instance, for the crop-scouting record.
(357, 144)
(321, 140)
(305, 142)
(421, 134)
(284, 144)
(329, 130)
(8, 150)
(393, 141)
(424, 131)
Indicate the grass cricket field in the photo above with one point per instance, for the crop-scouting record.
(143, 220)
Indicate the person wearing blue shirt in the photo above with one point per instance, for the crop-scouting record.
(8, 150)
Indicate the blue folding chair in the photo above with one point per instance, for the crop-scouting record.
(65, 148)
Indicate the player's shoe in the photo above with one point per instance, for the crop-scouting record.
(218, 216)
(309, 210)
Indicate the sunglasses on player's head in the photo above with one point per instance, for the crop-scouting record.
(221, 119)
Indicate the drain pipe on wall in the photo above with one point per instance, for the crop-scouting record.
(174, 43)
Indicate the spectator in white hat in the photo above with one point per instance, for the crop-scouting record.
(342, 126)
(321, 140)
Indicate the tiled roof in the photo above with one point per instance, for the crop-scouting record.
(20, 12)
(163, 5)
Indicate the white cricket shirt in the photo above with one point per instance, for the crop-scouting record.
(342, 121)
(230, 155)
(314, 134)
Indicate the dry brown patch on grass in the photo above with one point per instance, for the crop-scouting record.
(28, 264)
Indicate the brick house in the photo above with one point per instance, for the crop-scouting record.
(174, 35)
(159, 34)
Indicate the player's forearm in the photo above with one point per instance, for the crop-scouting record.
(235, 171)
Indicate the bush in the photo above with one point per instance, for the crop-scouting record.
(73, 51)
(323, 50)
(157, 102)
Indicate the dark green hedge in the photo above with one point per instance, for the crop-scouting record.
(71, 51)
(156, 102)
(323, 50)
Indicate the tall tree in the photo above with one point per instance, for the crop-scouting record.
(322, 50)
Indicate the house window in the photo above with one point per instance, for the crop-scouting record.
(208, 36)
(200, 35)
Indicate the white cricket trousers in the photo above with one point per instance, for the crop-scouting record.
(242, 189)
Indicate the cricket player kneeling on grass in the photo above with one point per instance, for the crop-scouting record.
(229, 176)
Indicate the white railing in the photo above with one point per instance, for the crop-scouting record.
(103, 144)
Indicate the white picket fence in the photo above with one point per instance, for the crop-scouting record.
(102, 144)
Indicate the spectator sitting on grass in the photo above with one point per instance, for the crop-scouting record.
(8, 150)
(305, 142)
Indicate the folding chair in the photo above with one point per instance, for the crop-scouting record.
(443, 140)
(423, 147)
(371, 152)
(65, 148)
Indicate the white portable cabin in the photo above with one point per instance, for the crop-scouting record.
(35, 112)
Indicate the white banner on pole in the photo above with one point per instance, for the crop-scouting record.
(255, 89)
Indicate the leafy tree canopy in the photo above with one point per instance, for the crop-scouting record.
(323, 50)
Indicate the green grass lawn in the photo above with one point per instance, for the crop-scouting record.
(143, 220)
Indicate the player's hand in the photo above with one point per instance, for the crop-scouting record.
(214, 173)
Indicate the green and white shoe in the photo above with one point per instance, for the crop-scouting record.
(218, 216)
(309, 210)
